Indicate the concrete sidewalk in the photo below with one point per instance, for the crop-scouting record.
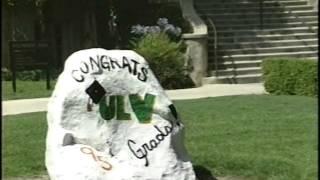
(212, 90)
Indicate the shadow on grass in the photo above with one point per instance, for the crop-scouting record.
(203, 173)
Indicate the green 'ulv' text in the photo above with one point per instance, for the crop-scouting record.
(142, 108)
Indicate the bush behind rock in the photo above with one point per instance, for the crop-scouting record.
(166, 59)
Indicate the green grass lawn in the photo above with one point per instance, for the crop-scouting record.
(253, 136)
(24, 144)
(26, 90)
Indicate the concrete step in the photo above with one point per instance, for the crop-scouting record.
(227, 63)
(218, 10)
(266, 20)
(243, 1)
(290, 30)
(223, 27)
(268, 37)
(252, 32)
(239, 79)
(244, 15)
(285, 49)
(234, 64)
(242, 4)
(259, 56)
(235, 71)
(265, 44)
(265, 25)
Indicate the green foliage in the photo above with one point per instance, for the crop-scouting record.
(26, 89)
(5, 74)
(166, 59)
(30, 75)
(290, 76)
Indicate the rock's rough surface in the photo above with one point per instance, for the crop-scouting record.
(109, 118)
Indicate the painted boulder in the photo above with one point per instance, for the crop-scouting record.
(109, 118)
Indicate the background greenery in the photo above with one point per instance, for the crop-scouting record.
(290, 76)
(261, 137)
(30, 75)
(26, 89)
(30, 84)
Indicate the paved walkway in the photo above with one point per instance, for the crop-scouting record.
(213, 90)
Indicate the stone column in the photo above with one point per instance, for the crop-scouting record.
(197, 57)
(196, 42)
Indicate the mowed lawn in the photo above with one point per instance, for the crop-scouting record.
(253, 137)
(26, 89)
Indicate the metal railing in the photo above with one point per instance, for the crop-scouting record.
(215, 45)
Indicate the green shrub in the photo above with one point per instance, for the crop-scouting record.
(29, 75)
(166, 59)
(290, 76)
(33, 75)
(5, 74)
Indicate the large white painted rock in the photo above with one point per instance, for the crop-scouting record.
(109, 118)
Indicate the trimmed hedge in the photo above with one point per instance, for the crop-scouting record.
(29, 75)
(289, 76)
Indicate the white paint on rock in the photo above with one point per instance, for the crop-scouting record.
(113, 149)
